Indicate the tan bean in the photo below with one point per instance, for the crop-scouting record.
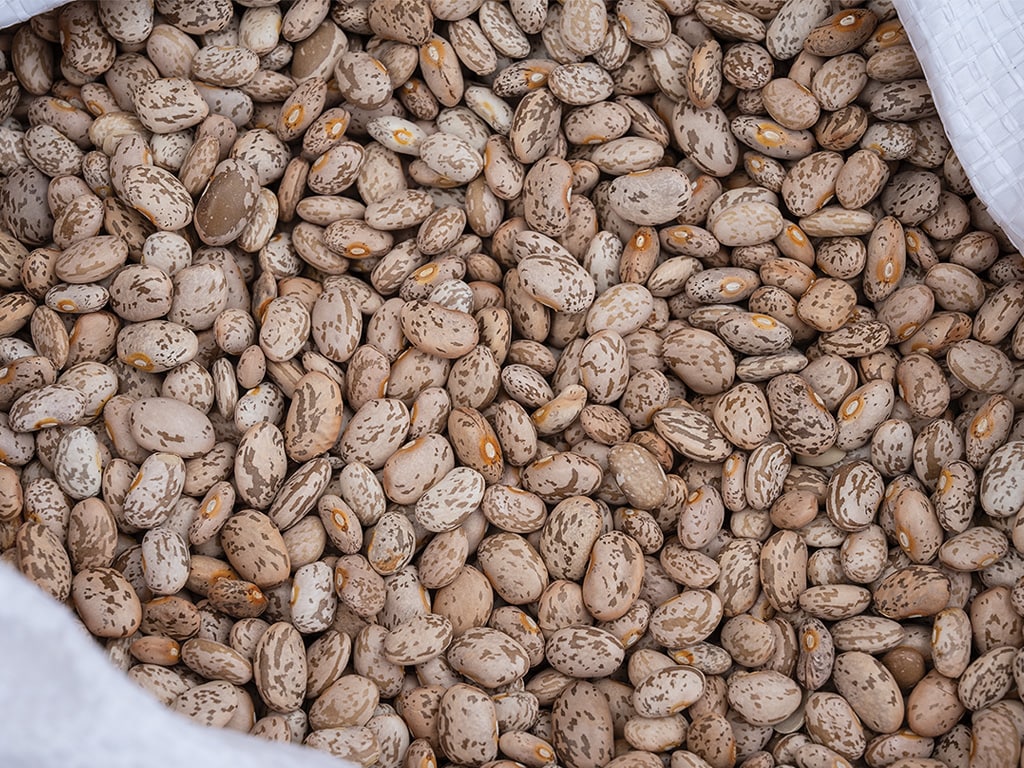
(255, 548)
(279, 667)
(593, 744)
(106, 602)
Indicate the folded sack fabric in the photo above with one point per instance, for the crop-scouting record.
(972, 53)
(62, 704)
(13, 11)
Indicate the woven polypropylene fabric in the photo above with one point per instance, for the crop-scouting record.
(62, 705)
(972, 53)
(13, 11)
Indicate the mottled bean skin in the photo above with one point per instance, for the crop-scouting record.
(427, 382)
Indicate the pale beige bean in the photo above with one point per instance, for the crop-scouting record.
(489, 657)
(171, 426)
(584, 652)
(154, 490)
(582, 702)
(216, 661)
(43, 560)
(106, 602)
(561, 475)
(48, 406)
(156, 345)
(313, 421)
(255, 548)
(764, 697)
(870, 689)
(558, 283)
(450, 501)
(77, 463)
(996, 493)
(705, 136)
(279, 667)
(313, 600)
(467, 725)
(916, 590)
(703, 610)
(211, 704)
(668, 691)
(165, 560)
(354, 743)
(685, 345)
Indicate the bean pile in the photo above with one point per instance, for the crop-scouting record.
(470, 383)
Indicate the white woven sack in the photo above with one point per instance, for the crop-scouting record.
(63, 705)
(13, 11)
(972, 53)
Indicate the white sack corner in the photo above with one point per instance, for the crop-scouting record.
(62, 704)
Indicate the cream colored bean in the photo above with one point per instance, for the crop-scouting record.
(467, 725)
(279, 667)
(254, 547)
(106, 602)
(156, 487)
(582, 702)
(171, 426)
